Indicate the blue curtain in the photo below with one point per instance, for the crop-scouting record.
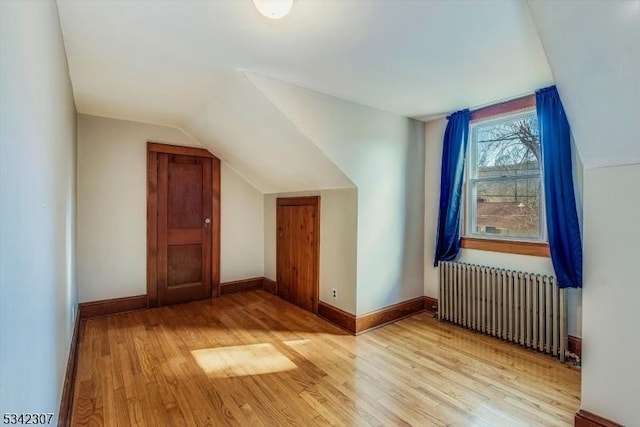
(454, 149)
(562, 219)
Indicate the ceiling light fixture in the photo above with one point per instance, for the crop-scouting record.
(274, 9)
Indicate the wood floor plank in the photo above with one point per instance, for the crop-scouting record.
(252, 359)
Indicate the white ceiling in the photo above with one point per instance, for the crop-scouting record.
(594, 50)
(414, 58)
(242, 126)
(183, 63)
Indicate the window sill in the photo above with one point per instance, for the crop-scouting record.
(507, 246)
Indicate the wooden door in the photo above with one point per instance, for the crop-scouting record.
(298, 247)
(182, 223)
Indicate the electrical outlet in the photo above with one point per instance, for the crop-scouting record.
(334, 293)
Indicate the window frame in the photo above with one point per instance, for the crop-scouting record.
(537, 246)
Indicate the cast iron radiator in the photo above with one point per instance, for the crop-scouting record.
(525, 308)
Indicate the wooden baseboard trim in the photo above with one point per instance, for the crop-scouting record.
(107, 307)
(369, 321)
(346, 321)
(66, 402)
(588, 419)
(392, 313)
(431, 305)
(575, 346)
(252, 284)
(270, 285)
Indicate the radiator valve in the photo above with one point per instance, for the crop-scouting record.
(576, 359)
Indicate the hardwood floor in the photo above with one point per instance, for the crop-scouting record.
(251, 359)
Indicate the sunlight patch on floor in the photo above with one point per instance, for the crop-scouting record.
(242, 360)
(296, 343)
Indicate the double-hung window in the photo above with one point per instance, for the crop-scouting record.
(504, 186)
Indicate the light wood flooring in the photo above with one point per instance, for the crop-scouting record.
(251, 359)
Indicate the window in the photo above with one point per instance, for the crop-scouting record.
(504, 191)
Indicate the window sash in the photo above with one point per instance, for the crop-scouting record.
(472, 169)
(472, 209)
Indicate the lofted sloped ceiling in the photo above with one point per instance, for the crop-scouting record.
(594, 51)
(183, 64)
(240, 125)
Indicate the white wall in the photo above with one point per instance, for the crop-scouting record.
(37, 208)
(610, 377)
(383, 154)
(242, 229)
(434, 134)
(112, 176)
(338, 240)
(592, 49)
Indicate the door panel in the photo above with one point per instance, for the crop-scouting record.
(185, 197)
(298, 251)
(184, 264)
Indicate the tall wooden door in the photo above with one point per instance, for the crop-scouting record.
(181, 230)
(298, 247)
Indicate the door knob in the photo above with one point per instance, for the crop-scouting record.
(207, 221)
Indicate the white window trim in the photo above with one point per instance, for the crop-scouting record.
(469, 214)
